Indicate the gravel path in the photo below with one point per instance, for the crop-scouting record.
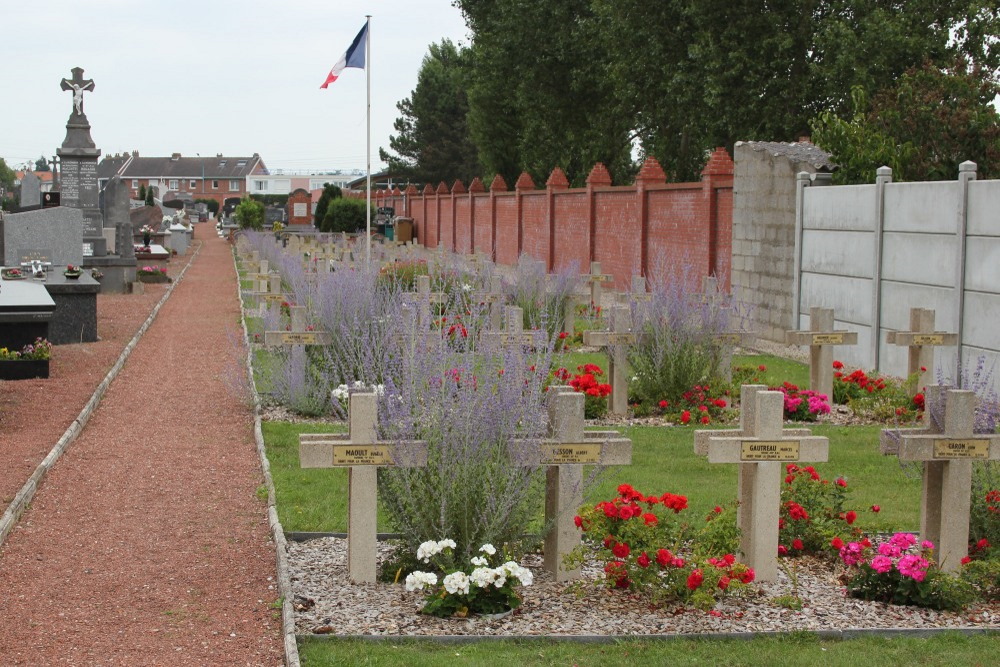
(146, 543)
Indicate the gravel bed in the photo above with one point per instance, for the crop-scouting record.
(318, 571)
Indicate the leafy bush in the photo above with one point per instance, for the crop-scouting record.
(813, 519)
(542, 297)
(250, 214)
(345, 215)
(802, 405)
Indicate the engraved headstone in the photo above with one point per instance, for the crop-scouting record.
(31, 194)
(52, 235)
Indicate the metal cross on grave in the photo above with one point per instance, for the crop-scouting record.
(77, 84)
(821, 338)
(947, 453)
(567, 449)
(921, 340)
(762, 448)
(361, 452)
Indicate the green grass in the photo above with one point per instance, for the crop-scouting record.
(793, 650)
(571, 360)
(663, 460)
(778, 369)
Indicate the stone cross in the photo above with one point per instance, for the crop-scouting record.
(615, 341)
(361, 452)
(821, 338)
(424, 297)
(77, 84)
(596, 279)
(947, 452)
(762, 448)
(564, 453)
(513, 332)
(493, 300)
(921, 339)
(299, 334)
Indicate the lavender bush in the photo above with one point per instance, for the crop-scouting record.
(540, 295)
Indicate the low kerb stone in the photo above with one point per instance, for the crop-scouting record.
(761, 448)
(921, 341)
(947, 454)
(362, 453)
(821, 338)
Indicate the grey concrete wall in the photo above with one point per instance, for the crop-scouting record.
(763, 273)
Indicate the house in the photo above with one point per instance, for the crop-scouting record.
(218, 178)
(44, 178)
(284, 182)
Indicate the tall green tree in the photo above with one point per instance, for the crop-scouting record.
(539, 95)
(250, 214)
(41, 164)
(432, 143)
(330, 192)
(7, 177)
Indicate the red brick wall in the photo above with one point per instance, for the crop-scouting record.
(300, 196)
(650, 228)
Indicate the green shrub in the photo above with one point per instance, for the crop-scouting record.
(344, 215)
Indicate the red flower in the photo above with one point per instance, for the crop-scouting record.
(729, 559)
(643, 560)
(663, 557)
(797, 544)
(562, 335)
(838, 365)
(625, 512)
(782, 550)
(649, 519)
(717, 510)
(664, 404)
(702, 408)
(842, 482)
(748, 576)
(724, 582)
(719, 403)
(762, 367)
(837, 543)
(616, 570)
(610, 511)
(966, 560)
(850, 516)
(694, 579)
(705, 419)
(983, 544)
(578, 521)
(621, 550)
(789, 479)
(685, 416)
(876, 509)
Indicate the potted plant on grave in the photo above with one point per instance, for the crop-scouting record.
(147, 234)
(31, 361)
(12, 273)
(72, 271)
(152, 274)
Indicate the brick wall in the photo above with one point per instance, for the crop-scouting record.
(652, 228)
(304, 198)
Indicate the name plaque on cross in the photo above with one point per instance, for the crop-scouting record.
(978, 448)
(828, 339)
(272, 297)
(598, 278)
(353, 455)
(769, 450)
(272, 338)
(612, 338)
(928, 339)
(562, 454)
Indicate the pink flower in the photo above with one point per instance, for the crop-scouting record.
(926, 545)
(903, 540)
(881, 564)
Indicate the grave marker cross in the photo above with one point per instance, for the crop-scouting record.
(299, 334)
(762, 448)
(821, 338)
(921, 340)
(361, 452)
(615, 340)
(77, 84)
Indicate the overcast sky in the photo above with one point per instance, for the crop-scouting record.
(235, 77)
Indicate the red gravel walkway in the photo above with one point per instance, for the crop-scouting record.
(146, 543)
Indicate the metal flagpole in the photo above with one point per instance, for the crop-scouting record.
(368, 139)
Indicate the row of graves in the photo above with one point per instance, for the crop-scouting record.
(760, 446)
(59, 249)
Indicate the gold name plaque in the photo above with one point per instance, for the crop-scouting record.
(299, 338)
(362, 455)
(769, 450)
(620, 338)
(562, 454)
(601, 278)
(962, 449)
(270, 296)
(729, 338)
(928, 339)
(828, 339)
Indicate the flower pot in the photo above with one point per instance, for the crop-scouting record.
(12, 274)
(71, 275)
(24, 369)
(145, 239)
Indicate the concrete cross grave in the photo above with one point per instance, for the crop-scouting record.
(821, 338)
(564, 453)
(268, 292)
(514, 333)
(762, 448)
(493, 300)
(299, 334)
(615, 341)
(921, 340)
(362, 453)
(596, 280)
(423, 298)
(947, 453)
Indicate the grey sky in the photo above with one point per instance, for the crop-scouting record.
(214, 76)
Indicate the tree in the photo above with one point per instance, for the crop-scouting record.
(330, 192)
(7, 177)
(41, 164)
(142, 191)
(250, 214)
(923, 127)
(539, 94)
(345, 215)
(149, 196)
(432, 143)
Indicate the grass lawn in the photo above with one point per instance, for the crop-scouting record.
(794, 650)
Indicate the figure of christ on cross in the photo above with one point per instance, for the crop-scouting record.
(78, 84)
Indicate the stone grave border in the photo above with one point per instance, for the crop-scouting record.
(24, 496)
(291, 639)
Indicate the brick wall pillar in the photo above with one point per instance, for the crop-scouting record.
(557, 181)
(599, 177)
(426, 203)
(524, 183)
(457, 190)
(718, 173)
(498, 185)
(475, 188)
(650, 174)
(442, 190)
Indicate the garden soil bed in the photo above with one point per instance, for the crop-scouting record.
(319, 573)
(146, 543)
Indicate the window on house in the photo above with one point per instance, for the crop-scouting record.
(222, 163)
(234, 186)
(260, 186)
(215, 185)
(173, 183)
(193, 184)
(241, 163)
(135, 183)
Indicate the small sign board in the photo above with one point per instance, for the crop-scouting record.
(297, 338)
(928, 339)
(270, 296)
(828, 338)
(362, 455)
(620, 338)
(88, 249)
(566, 453)
(598, 278)
(967, 448)
(769, 450)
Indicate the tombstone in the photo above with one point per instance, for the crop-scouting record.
(299, 334)
(762, 448)
(49, 235)
(78, 168)
(821, 338)
(423, 298)
(361, 452)
(31, 190)
(615, 341)
(513, 332)
(564, 453)
(123, 240)
(493, 300)
(947, 449)
(921, 340)
(596, 279)
(26, 309)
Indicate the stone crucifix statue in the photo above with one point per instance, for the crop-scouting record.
(78, 84)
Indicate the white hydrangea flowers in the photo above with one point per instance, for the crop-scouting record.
(343, 392)
(459, 582)
(416, 581)
(431, 548)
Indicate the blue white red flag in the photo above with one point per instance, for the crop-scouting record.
(353, 57)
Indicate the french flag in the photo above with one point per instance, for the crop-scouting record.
(353, 57)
